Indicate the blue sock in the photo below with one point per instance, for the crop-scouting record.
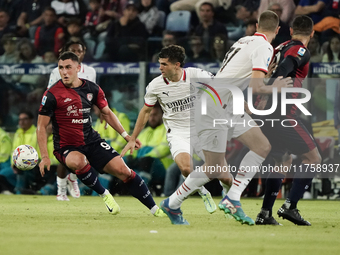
(299, 186)
(139, 190)
(88, 176)
(273, 186)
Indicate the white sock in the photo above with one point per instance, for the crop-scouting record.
(226, 187)
(202, 190)
(62, 183)
(248, 168)
(192, 183)
(154, 209)
(73, 177)
(105, 193)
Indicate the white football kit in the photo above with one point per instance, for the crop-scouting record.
(246, 55)
(177, 102)
(86, 72)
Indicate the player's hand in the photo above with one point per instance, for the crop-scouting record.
(45, 161)
(272, 67)
(246, 108)
(130, 146)
(281, 82)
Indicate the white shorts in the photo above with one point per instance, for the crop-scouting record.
(184, 144)
(215, 139)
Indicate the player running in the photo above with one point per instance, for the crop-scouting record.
(247, 58)
(172, 89)
(70, 180)
(76, 145)
(293, 61)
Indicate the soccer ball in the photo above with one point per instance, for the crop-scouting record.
(25, 157)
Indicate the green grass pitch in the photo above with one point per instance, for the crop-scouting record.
(41, 225)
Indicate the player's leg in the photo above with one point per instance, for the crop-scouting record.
(185, 164)
(62, 183)
(259, 147)
(138, 189)
(66, 182)
(303, 144)
(273, 186)
(78, 162)
(302, 179)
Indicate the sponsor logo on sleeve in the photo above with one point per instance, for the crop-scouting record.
(43, 101)
(301, 51)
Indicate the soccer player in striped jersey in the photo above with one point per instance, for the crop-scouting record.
(76, 144)
(64, 180)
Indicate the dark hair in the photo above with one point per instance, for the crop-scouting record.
(224, 38)
(28, 42)
(9, 37)
(51, 9)
(69, 55)
(210, 4)
(251, 22)
(28, 113)
(74, 21)
(329, 51)
(268, 21)
(174, 53)
(69, 43)
(141, 8)
(302, 25)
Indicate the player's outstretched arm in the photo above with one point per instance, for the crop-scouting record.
(143, 117)
(43, 121)
(258, 86)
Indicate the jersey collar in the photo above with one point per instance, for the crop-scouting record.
(260, 34)
(183, 78)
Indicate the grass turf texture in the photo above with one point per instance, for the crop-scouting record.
(41, 225)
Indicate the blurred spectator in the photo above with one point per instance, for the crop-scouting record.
(148, 14)
(9, 43)
(27, 54)
(314, 50)
(287, 11)
(30, 83)
(193, 5)
(250, 27)
(313, 8)
(92, 19)
(31, 16)
(67, 9)
(50, 57)
(284, 32)
(109, 10)
(220, 47)
(5, 28)
(154, 157)
(74, 31)
(333, 50)
(49, 36)
(126, 37)
(13, 8)
(164, 5)
(168, 39)
(6, 184)
(247, 9)
(208, 26)
(10, 56)
(197, 53)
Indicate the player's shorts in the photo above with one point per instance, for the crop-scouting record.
(215, 138)
(98, 154)
(184, 144)
(294, 139)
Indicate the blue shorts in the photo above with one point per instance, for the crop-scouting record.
(98, 154)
